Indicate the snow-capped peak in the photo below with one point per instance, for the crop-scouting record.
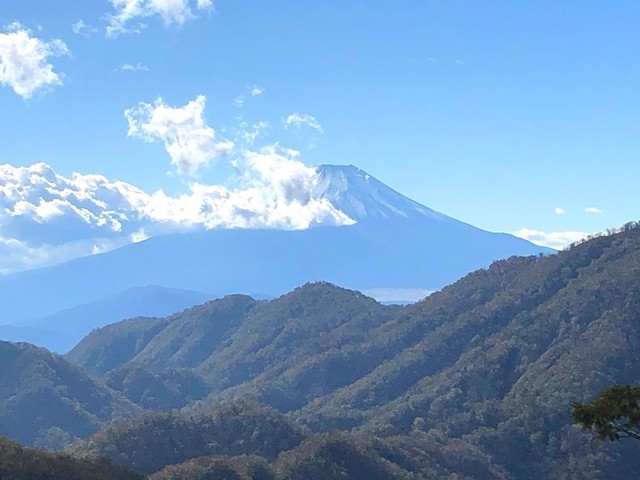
(361, 196)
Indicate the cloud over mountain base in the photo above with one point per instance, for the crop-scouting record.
(46, 218)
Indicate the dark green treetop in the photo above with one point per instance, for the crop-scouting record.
(614, 414)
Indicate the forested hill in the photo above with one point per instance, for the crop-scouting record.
(20, 463)
(488, 366)
(248, 441)
(236, 342)
(48, 402)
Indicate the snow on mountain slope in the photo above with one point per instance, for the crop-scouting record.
(361, 196)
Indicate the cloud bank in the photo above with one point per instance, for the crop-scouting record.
(25, 61)
(46, 218)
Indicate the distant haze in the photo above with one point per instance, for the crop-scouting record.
(397, 250)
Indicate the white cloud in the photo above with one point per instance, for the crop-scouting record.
(557, 240)
(84, 29)
(24, 61)
(398, 294)
(239, 101)
(298, 120)
(560, 211)
(46, 218)
(189, 141)
(256, 90)
(16, 256)
(138, 67)
(171, 11)
(594, 210)
(275, 191)
(139, 236)
(248, 134)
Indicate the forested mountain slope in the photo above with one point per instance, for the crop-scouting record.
(20, 463)
(238, 342)
(153, 441)
(48, 402)
(488, 366)
(244, 441)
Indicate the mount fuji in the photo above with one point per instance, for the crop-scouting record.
(364, 198)
(395, 246)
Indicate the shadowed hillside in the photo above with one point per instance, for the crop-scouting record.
(244, 440)
(48, 402)
(20, 463)
(157, 440)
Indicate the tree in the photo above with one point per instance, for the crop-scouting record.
(614, 414)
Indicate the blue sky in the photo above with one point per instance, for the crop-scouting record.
(495, 113)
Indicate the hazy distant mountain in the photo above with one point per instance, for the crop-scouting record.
(396, 243)
(36, 336)
(62, 330)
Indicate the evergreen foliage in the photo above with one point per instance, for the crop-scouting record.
(20, 463)
(218, 468)
(47, 402)
(154, 441)
(614, 414)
